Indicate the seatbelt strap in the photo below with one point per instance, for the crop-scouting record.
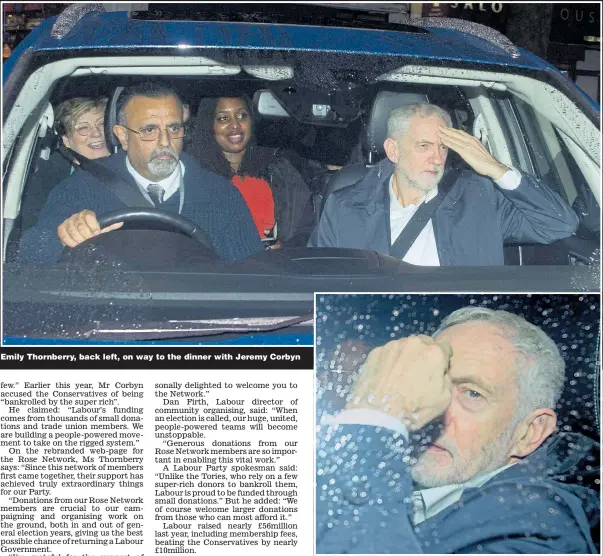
(123, 190)
(422, 216)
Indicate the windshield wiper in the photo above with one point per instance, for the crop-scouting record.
(177, 329)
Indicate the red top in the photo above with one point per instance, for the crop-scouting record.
(258, 196)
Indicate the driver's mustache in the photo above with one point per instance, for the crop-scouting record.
(162, 153)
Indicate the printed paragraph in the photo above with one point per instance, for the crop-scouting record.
(225, 465)
(71, 469)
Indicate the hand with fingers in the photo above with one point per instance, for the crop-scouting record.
(277, 244)
(472, 152)
(407, 379)
(82, 226)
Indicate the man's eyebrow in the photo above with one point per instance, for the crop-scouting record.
(473, 380)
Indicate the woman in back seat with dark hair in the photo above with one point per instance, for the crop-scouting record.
(277, 196)
(79, 122)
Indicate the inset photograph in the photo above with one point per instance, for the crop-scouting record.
(457, 424)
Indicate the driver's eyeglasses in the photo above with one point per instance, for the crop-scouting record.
(86, 129)
(151, 132)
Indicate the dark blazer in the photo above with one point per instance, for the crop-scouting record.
(471, 225)
(363, 494)
(293, 209)
(211, 201)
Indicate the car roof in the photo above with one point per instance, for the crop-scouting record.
(117, 30)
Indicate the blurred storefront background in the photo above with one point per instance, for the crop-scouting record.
(565, 34)
(19, 18)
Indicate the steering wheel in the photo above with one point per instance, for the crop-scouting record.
(158, 216)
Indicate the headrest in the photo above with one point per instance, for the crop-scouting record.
(376, 129)
(49, 138)
(113, 143)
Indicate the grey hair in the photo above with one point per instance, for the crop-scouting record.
(399, 118)
(540, 369)
(149, 89)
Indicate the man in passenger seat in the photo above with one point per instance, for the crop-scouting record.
(468, 215)
(150, 129)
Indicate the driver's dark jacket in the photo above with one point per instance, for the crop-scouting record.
(364, 493)
(471, 225)
(210, 201)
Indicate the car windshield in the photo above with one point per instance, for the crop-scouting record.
(304, 122)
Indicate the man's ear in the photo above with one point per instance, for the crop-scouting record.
(532, 432)
(122, 136)
(391, 149)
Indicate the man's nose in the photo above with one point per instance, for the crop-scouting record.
(447, 419)
(164, 139)
(436, 156)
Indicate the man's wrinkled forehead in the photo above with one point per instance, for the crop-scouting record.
(425, 125)
(482, 350)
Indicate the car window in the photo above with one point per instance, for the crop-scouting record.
(513, 128)
(542, 159)
(516, 139)
(551, 160)
(327, 93)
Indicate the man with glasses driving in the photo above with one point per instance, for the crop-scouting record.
(151, 131)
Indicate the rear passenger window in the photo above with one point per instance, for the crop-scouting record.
(548, 158)
(585, 204)
(513, 131)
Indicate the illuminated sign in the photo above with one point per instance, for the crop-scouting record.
(496, 7)
(492, 14)
(575, 23)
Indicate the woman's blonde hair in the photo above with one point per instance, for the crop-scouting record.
(69, 111)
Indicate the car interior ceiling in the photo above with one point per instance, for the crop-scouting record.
(344, 145)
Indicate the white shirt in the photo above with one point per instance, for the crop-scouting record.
(170, 185)
(434, 500)
(427, 502)
(424, 250)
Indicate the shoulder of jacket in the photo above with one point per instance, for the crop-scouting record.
(369, 190)
(201, 180)
(115, 162)
(355, 193)
(192, 169)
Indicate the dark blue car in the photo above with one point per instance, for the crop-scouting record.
(321, 82)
